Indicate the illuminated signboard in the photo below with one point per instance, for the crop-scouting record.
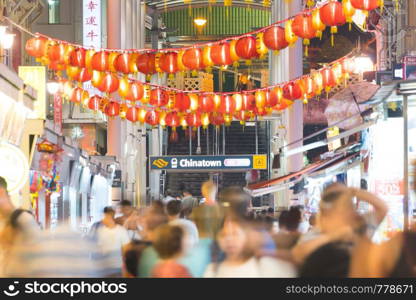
(35, 76)
(209, 163)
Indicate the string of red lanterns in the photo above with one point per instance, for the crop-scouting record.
(310, 23)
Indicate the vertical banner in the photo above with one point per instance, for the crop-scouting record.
(57, 115)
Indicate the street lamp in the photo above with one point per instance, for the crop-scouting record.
(7, 40)
(363, 64)
(200, 23)
(52, 87)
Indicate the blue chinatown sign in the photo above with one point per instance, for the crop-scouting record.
(209, 163)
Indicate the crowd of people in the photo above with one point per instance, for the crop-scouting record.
(218, 237)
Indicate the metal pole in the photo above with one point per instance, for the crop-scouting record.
(198, 148)
(257, 136)
(190, 140)
(207, 133)
(223, 139)
(406, 165)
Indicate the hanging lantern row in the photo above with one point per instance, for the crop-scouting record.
(156, 104)
(160, 96)
(309, 24)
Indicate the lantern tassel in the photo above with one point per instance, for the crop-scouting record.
(306, 42)
(334, 30)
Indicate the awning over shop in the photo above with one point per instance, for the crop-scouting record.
(334, 163)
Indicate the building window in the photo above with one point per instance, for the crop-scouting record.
(54, 16)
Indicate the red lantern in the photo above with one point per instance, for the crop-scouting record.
(168, 62)
(308, 87)
(152, 117)
(216, 119)
(192, 59)
(302, 27)
(56, 53)
(227, 105)
(283, 104)
(36, 46)
(99, 61)
(206, 103)
(332, 14)
(172, 120)
(220, 54)
(146, 63)
(328, 79)
(274, 38)
(132, 114)
(109, 83)
(121, 63)
(84, 75)
(159, 97)
(182, 102)
(275, 96)
(78, 95)
(78, 58)
(55, 66)
(112, 109)
(365, 4)
(194, 119)
(260, 97)
(249, 102)
(292, 90)
(94, 103)
(243, 116)
(135, 92)
(246, 47)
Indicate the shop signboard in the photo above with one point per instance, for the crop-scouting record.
(409, 67)
(57, 113)
(14, 167)
(209, 163)
(117, 179)
(35, 76)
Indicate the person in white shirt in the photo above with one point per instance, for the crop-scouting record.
(240, 261)
(168, 197)
(174, 209)
(111, 238)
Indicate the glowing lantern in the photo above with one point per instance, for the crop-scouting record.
(181, 66)
(317, 23)
(88, 58)
(72, 72)
(365, 4)
(109, 83)
(99, 61)
(172, 120)
(168, 62)
(96, 79)
(121, 63)
(206, 58)
(243, 116)
(318, 81)
(152, 117)
(283, 104)
(274, 38)
(162, 119)
(146, 63)
(142, 115)
(84, 75)
(56, 53)
(136, 91)
(174, 136)
(182, 102)
(246, 47)
(272, 98)
(349, 11)
(123, 111)
(112, 60)
(123, 87)
(302, 27)
(206, 103)
(112, 109)
(192, 59)
(238, 100)
(53, 65)
(78, 95)
(290, 37)
(159, 97)
(332, 14)
(233, 52)
(132, 114)
(194, 119)
(216, 119)
(194, 102)
(328, 79)
(94, 103)
(337, 71)
(227, 105)
(78, 57)
(308, 87)
(292, 90)
(68, 52)
(261, 48)
(36, 46)
(220, 54)
(260, 97)
(132, 63)
(217, 101)
(249, 102)
(183, 122)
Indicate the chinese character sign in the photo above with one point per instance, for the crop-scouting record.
(91, 23)
(57, 104)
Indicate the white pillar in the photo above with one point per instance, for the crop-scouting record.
(283, 67)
